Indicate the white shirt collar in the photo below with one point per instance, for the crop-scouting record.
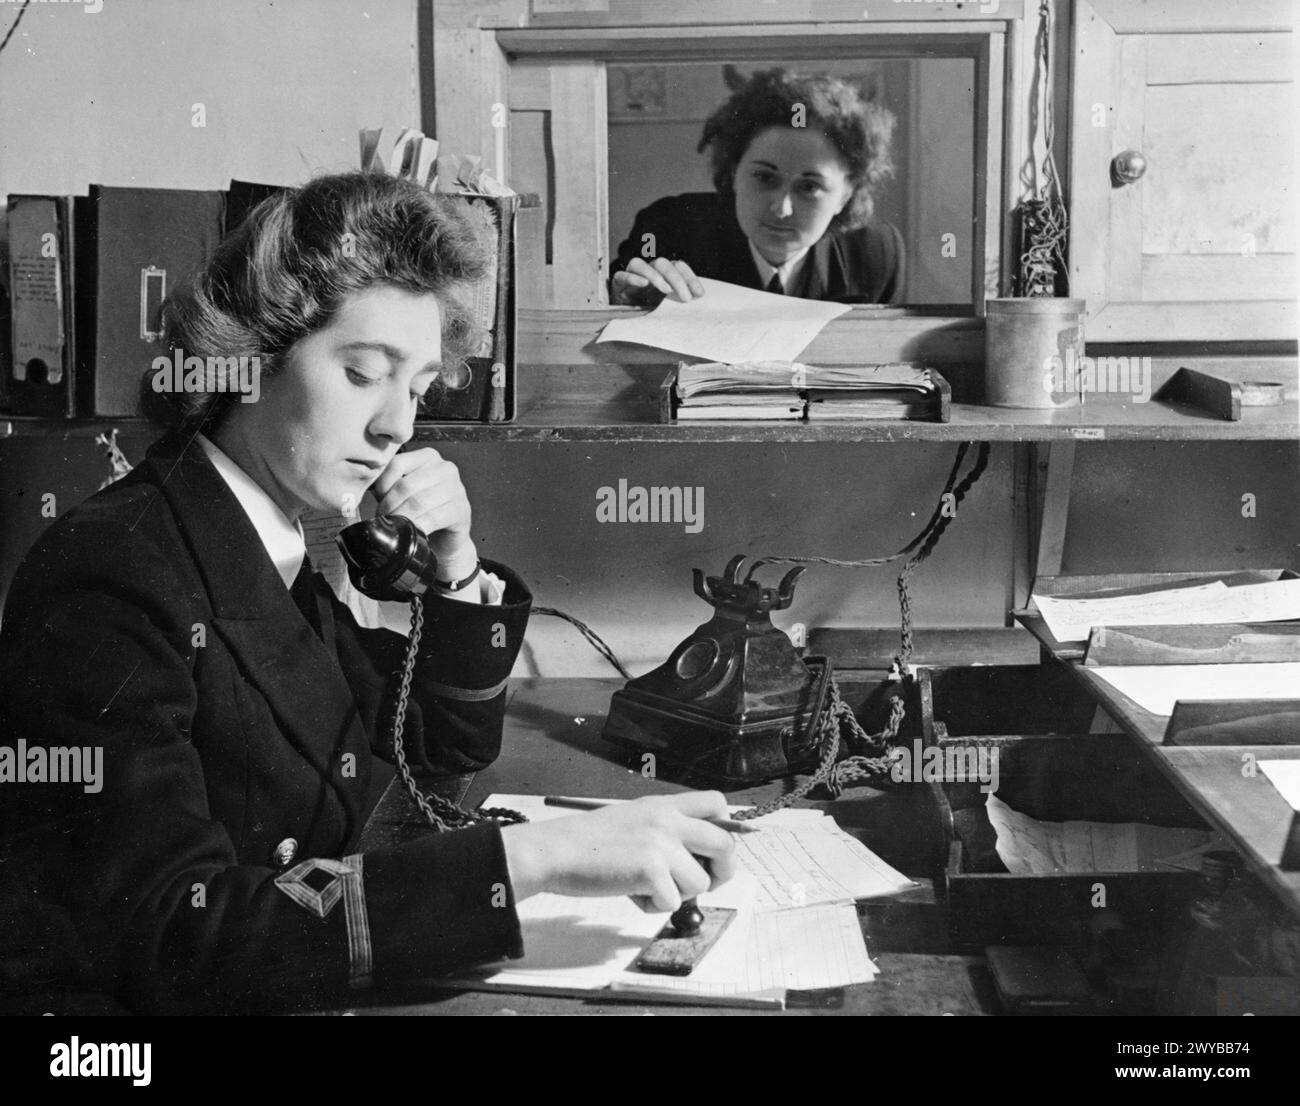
(282, 538)
(789, 270)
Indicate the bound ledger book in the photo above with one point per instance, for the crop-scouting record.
(38, 381)
(789, 390)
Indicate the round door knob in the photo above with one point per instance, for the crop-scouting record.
(1127, 167)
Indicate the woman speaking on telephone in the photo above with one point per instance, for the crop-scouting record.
(795, 161)
(173, 622)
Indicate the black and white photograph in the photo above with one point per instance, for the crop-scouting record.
(650, 508)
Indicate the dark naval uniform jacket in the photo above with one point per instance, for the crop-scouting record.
(150, 622)
(848, 266)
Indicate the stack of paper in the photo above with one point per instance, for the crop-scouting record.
(1197, 605)
(1158, 687)
(796, 926)
(815, 948)
(750, 407)
(899, 391)
(715, 378)
(786, 389)
(837, 406)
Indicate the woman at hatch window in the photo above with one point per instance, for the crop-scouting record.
(795, 162)
(205, 868)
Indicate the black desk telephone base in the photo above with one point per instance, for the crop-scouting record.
(734, 704)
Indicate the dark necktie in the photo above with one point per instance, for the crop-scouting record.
(303, 592)
(774, 285)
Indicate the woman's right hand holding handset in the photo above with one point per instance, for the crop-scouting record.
(650, 846)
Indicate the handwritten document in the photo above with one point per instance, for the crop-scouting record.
(1203, 604)
(1029, 846)
(1157, 687)
(802, 861)
(729, 323)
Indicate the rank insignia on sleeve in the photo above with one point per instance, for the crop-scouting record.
(317, 885)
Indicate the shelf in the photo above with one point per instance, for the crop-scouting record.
(571, 421)
(559, 421)
(620, 403)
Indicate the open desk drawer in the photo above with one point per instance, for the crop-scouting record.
(1027, 720)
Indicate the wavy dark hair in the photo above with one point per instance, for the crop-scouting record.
(860, 129)
(286, 271)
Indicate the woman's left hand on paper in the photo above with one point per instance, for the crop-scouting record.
(645, 283)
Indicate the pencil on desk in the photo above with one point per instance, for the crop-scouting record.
(567, 803)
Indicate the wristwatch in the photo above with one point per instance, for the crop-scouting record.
(459, 585)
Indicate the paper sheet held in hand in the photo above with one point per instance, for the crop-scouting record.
(729, 323)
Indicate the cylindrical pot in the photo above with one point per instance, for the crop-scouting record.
(1031, 349)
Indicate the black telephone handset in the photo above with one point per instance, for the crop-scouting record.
(389, 558)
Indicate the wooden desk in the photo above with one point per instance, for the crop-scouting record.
(553, 746)
(908, 984)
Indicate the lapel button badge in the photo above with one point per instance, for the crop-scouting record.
(285, 851)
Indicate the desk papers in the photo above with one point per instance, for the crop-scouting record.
(583, 944)
(789, 950)
(1028, 846)
(1157, 687)
(796, 926)
(1199, 605)
(729, 323)
(790, 390)
(803, 858)
(1285, 776)
(750, 377)
(753, 408)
